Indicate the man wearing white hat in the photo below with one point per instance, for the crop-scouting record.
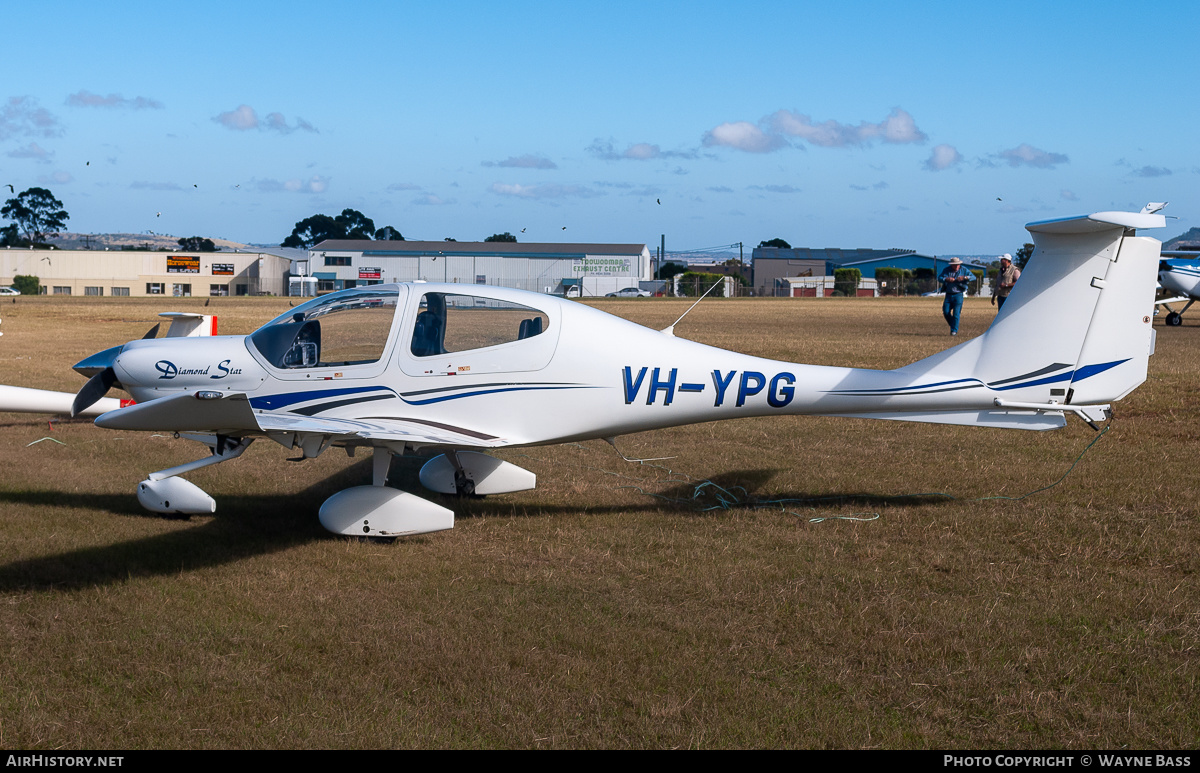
(955, 279)
(1005, 279)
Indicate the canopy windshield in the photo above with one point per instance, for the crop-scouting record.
(346, 328)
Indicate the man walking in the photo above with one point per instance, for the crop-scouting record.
(955, 279)
(1005, 279)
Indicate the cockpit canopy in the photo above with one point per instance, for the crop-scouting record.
(483, 334)
(346, 328)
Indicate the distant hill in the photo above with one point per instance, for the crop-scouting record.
(74, 241)
(1185, 241)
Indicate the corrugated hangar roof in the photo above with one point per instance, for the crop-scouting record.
(505, 249)
(835, 255)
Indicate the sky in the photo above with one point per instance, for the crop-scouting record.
(940, 127)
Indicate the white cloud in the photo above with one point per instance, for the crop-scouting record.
(527, 161)
(1152, 171)
(898, 128)
(642, 151)
(21, 116)
(743, 135)
(430, 200)
(1027, 155)
(1067, 195)
(140, 185)
(776, 188)
(241, 119)
(85, 98)
(943, 157)
(547, 191)
(639, 151)
(314, 184)
(276, 122)
(244, 118)
(33, 151)
(774, 132)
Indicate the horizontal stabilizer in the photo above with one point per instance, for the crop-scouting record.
(186, 324)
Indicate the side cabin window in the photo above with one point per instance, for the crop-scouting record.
(448, 323)
(349, 328)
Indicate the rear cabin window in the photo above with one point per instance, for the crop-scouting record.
(448, 323)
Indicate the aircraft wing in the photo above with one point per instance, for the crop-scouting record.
(233, 415)
(1176, 299)
(412, 431)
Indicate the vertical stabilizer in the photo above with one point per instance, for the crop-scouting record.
(1077, 325)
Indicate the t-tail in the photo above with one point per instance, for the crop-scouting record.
(1074, 335)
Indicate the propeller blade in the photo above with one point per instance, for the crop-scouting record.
(152, 332)
(93, 364)
(96, 387)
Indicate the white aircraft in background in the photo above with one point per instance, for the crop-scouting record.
(463, 369)
(1179, 276)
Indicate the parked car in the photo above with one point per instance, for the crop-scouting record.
(9, 291)
(629, 292)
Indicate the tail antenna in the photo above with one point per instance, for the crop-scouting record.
(670, 330)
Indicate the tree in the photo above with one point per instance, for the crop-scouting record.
(845, 281)
(9, 237)
(388, 234)
(670, 269)
(351, 224)
(355, 224)
(780, 243)
(696, 283)
(37, 214)
(197, 244)
(314, 230)
(28, 285)
(1023, 255)
(504, 237)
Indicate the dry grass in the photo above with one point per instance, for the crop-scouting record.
(608, 608)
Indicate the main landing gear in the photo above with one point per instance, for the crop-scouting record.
(1175, 318)
(375, 511)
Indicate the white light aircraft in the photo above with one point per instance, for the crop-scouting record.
(1179, 277)
(463, 369)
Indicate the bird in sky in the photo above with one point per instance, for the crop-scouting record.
(10, 189)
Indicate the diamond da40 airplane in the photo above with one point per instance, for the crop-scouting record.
(463, 369)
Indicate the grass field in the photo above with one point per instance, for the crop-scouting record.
(892, 601)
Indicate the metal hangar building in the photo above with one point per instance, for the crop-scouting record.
(560, 269)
